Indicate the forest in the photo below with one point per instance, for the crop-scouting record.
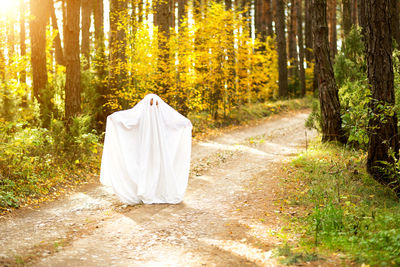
(65, 65)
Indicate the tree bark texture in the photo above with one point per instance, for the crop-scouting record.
(37, 27)
(332, 27)
(281, 42)
(85, 41)
(328, 92)
(100, 64)
(73, 68)
(394, 19)
(267, 14)
(354, 12)
(346, 16)
(308, 32)
(292, 48)
(302, 74)
(383, 131)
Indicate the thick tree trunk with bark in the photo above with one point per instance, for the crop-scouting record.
(37, 28)
(383, 131)
(85, 43)
(281, 42)
(328, 92)
(73, 69)
(331, 15)
(302, 75)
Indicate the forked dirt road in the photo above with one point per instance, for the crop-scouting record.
(228, 216)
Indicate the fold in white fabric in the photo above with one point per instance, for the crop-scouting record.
(146, 155)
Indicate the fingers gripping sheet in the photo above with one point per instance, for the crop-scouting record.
(146, 155)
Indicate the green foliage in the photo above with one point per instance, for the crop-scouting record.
(35, 160)
(347, 210)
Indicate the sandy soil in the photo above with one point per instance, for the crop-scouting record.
(229, 216)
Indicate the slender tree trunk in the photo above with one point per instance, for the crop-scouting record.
(301, 46)
(292, 48)
(332, 28)
(181, 11)
(57, 40)
(383, 131)
(22, 45)
(73, 69)
(258, 18)
(268, 17)
(354, 12)
(328, 92)
(117, 77)
(162, 18)
(281, 41)
(346, 17)
(100, 65)
(308, 32)
(37, 28)
(140, 10)
(171, 4)
(394, 8)
(85, 38)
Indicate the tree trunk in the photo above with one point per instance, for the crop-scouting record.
(181, 11)
(171, 4)
(292, 49)
(85, 45)
(22, 45)
(308, 32)
(332, 28)
(258, 18)
(100, 62)
(328, 92)
(281, 41)
(346, 16)
(302, 77)
(268, 18)
(394, 19)
(73, 68)
(162, 18)
(383, 131)
(37, 28)
(354, 12)
(57, 40)
(117, 78)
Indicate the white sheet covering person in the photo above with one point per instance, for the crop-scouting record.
(146, 155)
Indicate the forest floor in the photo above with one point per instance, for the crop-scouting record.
(231, 214)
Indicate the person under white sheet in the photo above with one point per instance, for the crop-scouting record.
(146, 154)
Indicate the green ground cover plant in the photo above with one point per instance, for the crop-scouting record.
(346, 211)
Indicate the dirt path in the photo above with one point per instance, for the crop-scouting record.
(228, 217)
